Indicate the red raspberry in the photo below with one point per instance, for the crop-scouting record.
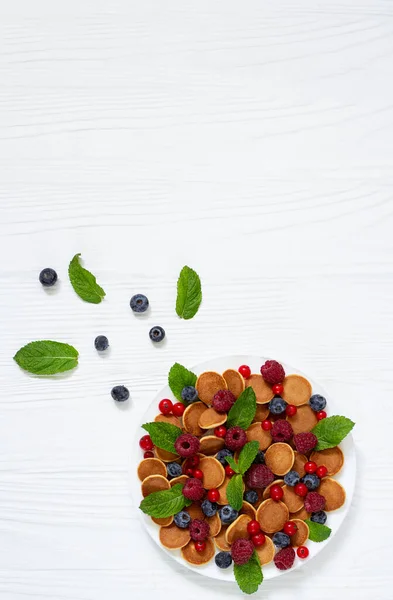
(304, 442)
(223, 401)
(241, 551)
(284, 559)
(235, 438)
(281, 431)
(193, 489)
(314, 502)
(259, 476)
(199, 530)
(272, 372)
(186, 445)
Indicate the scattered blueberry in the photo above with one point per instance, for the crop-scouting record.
(223, 560)
(292, 478)
(48, 277)
(311, 480)
(319, 517)
(120, 393)
(281, 539)
(317, 402)
(209, 508)
(228, 514)
(251, 496)
(220, 456)
(173, 469)
(157, 334)
(101, 343)
(189, 394)
(277, 406)
(260, 458)
(139, 303)
(182, 519)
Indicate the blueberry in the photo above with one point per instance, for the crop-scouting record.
(157, 334)
(209, 508)
(189, 394)
(48, 277)
(291, 478)
(260, 458)
(251, 496)
(317, 402)
(101, 343)
(319, 517)
(281, 540)
(311, 480)
(120, 393)
(228, 514)
(220, 456)
(173, 470)
(139, 303)
(223, 560)
(182, 519)
(277, 406)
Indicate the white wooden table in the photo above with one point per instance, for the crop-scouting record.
(252, 141)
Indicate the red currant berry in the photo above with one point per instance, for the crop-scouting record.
(290, 410)
(229, 471)
(266, 425)
(146, 443)
(200, 546)
(245, 371)
(193, 461)
(178, 409)
(310, 467)
(220, 431)
(197, 473)
(253, 527)
(213, 495)
(258, 539)
(321, 471)
(290, 528)
(276, 492)
(321, 415)
(277, 388)
(165, 406)
(301, 489)
(189, 472)
(148, 454)
(302, 552)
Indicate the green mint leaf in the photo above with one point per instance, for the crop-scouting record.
(232, 463)
(247, 455)
(249, 576)
(46, 357)
(235, 492)
(331, 431)
(189, 293)
(163, 435)
(243, 411)
(318, 532)
(166, 503)
(84, 282)
(178, 378)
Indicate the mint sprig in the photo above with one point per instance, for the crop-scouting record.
(249, 576)
(318, 532)
(243, 411)
(189, 293)
(331, 431)
(180, 377)
(163, 435)
(165, 503)
(46, 357)
(235, 491)
(247, 456)
(84, 282)
(232, 463)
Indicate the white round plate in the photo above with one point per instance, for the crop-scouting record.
(346, 476)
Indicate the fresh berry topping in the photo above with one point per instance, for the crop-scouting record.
(223, 401)
(276, 492)
(321, 471)
(277, 406)
(178, 409)
(189, 394)
(259, 476)
(213, 495)
(193, 489)
(186, 445)
(245, 371)
(199, 530)
(251, 496)
(182, 519)
(235, 438)
(48, 277)
(229, 471)
(139, 303)
(228, 514)
(317, 402)
(120, 393)
(173, 470)
(266, 425)
(253, 527)
(302, 552)
(321, 415)
(277, 388)
(260, 458)
(145, 443)
(285, 558)
(209, 508)
(319, 517)
(198, 474)
(272, 372)
(165, 406)
(220, 456)
(192, 462)
(290, 528)
(220, 431)
(189, 472)
(281, 431)
(281, 540)
(311, 480)
(291, 478)
(314, 502)
(258, 539)
(223, 560)
(148, 454)
(301, 489)
(157, 334)
(241, 551)
(290, 410)
(101, 343)
(304, 442)
(200, 546)
(310, 467)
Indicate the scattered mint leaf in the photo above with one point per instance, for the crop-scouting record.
(46, 357)
(235, 491)
(243, 411)
(331, 431)
(247, 455)
(166, 503)
(84, 282)
(189, 293)
(318, 532)
(163, 435)
(232, 463)
(178, 378)
(249, 576)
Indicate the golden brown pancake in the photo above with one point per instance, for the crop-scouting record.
(164, 522)
(266, 491)
(210, 444)
(272, 515)
(166, 456)
(181, 479)
(154, 483)
(173, 537)
(195, 511)
(261, 414)
(235, 381)
(198, 558)
(248, 509)
(263, 391)
(191, 417)
(171, 419)
(151, 466)
(238, 529)
(332, 459)
(208, 384)
(304, 419)
(220, 539)
(302, 533)
(210, 418)
(299, 462)
(333, 492)
(266, 551)
(292, 500)
(300, 514)
(213, 472)
(214, 524)
(297, 390)
(279, 458)
(255, 432)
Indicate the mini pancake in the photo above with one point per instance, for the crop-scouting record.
(297, 390)
(235, 381)
(174, 537)
(263, 390)
(292, 500)
(181, 479)
(332, 458)
(279, 458)
(301, 514)
(166, 456)
(151, 466)
(191, 417)
(195, 511)
(302, 533)
(298, 463)
(255, 432)
(266, 551)
(266, 491)
(171, 419)
(304, 419)
(272, 515)
(164, 522)
(248, 509)
(334, 493)
(213, 472)
(210, 444)
(208, 384)
(198, 558)
(238, 529)
(220, 540)
(261, 413)
(214, 524)
(210, 418)
(154, 483)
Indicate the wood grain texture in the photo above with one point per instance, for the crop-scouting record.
(252, 142)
